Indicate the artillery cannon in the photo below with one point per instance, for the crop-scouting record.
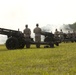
(49, 37)
(69, 38)
(16, 39)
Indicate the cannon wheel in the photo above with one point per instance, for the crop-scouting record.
(21, 44)
(51, 45)
(12, 43)
(57, 44)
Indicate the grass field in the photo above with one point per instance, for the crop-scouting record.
(60, 60)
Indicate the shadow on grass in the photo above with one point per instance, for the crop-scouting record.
(3, 48)
(33, 47)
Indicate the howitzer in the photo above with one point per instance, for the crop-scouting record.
(10, 32)
(49, 37)
(16, 39)
(69, 38)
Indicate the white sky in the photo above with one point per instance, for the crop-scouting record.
(15, 14)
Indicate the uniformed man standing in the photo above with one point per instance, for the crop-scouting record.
(61, 35)
(56, 34)
(73, 36)
(37, 32)
(27, 32)
(68, 35)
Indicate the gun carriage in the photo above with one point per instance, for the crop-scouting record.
(16, 39)
(69, 38)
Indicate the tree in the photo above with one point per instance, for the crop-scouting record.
(69, 26)
(73, 26)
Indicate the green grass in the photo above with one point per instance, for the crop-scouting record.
(60, 60)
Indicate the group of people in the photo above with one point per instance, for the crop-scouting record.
(37, 32)
(63, 36)
(59, 34)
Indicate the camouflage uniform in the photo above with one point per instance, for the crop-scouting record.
(74, 36)
(27, 32)
(37, 32)
(68, 35)
(56, 34)
(61, 35)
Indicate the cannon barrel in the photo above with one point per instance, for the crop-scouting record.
(49, 37)
(10, 32)
(47, 34)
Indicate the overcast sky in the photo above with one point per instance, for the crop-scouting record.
(15, 14)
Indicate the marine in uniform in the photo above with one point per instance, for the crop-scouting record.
(27, 32)
(56, 33)
(37, 32)
(61, 35)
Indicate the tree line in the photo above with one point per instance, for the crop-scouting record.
(70, 26)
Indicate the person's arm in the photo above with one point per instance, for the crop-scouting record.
(30, 31)
(34, 31)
